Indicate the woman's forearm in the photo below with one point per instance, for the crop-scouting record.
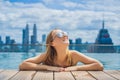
(93, 66)
(33, 66)
(87, 67)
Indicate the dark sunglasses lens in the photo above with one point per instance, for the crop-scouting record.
(60, 35)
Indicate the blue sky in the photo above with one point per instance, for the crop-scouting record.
(25, 1)
(81, 18)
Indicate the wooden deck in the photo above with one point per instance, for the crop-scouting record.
(49, 75)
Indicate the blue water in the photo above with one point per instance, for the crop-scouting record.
(111, 61)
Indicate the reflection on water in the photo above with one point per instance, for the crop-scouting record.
(12, 60)
(27, 55)
(109, 60)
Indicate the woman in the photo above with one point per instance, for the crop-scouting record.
(58, 57)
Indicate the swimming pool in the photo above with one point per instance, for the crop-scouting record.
(10, 60)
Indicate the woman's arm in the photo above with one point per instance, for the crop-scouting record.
(34, 64)
(89, 63)
(31, 63)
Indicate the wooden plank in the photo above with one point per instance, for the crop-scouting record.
(49, 75)
(100, 75)
(113, 73)
(5, 75)
(63, 76)
(82, 75)
(43, 75)
(23, 75)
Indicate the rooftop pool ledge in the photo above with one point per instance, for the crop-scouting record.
(50, 75)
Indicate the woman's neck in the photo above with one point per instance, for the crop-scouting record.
(61, 54)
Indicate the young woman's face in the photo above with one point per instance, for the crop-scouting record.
(60, 38)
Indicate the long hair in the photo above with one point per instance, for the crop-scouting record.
(51, 53)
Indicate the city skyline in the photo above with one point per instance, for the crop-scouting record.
(28, 38)
(103, 42)
(81, 19)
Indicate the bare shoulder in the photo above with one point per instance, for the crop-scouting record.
(41, 56)
(75, 53)
(78, 56)
(37, 59)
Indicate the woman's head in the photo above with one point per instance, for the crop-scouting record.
(55, 39)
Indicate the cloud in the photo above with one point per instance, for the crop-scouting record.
(73, 5)
(79, 18)
(96, 5)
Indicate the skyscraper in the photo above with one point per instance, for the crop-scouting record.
(34, 36)
(8, 41)
(78, 43)
(34, 41)
(43, 38)
(25, 38)
(1, 42)
(103, 43)
(71, 46)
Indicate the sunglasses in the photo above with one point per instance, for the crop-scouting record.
(60, 34)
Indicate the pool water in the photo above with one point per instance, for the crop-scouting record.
(8, 60)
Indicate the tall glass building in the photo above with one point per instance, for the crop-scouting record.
(25, 38)
(103, 42)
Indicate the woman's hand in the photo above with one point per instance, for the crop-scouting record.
(59, 69)
(72, 68)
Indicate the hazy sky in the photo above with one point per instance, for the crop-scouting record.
(81, 18)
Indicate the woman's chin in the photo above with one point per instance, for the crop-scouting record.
(66, 43)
